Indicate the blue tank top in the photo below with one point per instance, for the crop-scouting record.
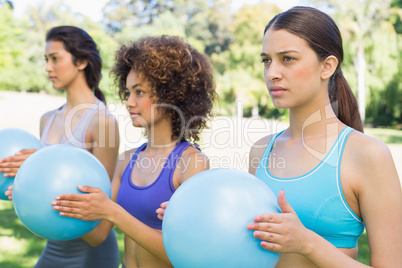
(141, 202)
(317, 196)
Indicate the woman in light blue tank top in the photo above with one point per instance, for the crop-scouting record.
(337, 180)
(74, 64)
(168, 90)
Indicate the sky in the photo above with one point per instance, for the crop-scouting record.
(93, 8)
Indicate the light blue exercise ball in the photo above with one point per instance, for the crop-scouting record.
(205, 222)
(54, 170)
(13, 140)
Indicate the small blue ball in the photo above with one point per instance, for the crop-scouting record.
(13, 140)
(55, 170)
(205, 222)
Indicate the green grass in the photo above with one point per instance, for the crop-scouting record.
(389, 136)
(19, 248)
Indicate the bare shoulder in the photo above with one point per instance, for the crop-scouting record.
(103, 118)
(193, 153)
(43, 120)
(365, 149)
(256, 152)
(45, 117)
(368, 162)
(192, 161)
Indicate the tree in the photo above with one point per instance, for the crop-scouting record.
(359, 20)
(240, 75)
(22, 46)
(12, 49)
(6, 2)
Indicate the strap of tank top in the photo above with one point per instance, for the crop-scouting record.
(265, 155)
(49, 122)
(81, 128)
(173, 160)
(334, 156)
(135, 155)
(177, 152)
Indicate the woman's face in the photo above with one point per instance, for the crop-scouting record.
(59, 65)
(292, 70)
(140, 103)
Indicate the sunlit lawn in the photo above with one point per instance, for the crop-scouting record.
(19, 248)
(389, 136)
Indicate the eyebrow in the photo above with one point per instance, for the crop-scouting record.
(133, 87)
(263, 54)
(51, 54)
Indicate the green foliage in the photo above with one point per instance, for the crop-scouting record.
(369, 25)
(239, 69)
(231, 38)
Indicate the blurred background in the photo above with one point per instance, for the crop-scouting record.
(230, 32)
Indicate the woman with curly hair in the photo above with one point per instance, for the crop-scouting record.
(168, 89)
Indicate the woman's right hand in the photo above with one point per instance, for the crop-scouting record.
(161, 210)
(9, 192)
(10, 165)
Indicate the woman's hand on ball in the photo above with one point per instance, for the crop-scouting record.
(281, 232)
(92, 206)
(9, 192)
(10, 165)
(161, 211)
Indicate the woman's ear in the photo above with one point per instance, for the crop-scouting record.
(82, 64)
(329, 67)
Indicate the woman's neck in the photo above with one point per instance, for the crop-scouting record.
(160, 136)
(312, 122)
(76, 96)
(79, 92)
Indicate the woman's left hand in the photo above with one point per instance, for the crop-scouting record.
(281, 232)
(92, 206)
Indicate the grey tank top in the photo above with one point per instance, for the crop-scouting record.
(74, 135)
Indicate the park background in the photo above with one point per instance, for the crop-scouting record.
(230, 33)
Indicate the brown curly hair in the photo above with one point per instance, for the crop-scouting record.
(179, 77)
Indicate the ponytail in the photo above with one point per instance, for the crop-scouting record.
(343, 101)
(99, 94)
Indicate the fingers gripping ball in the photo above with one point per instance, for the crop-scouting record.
(205, 222)
(13, 140)
(54, 170)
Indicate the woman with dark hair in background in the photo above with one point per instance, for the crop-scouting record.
(337, 180)
(168, 89)
(74, 64)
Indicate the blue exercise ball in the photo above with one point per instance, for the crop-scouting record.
(205, 222)
(13, 140)
(54, 170)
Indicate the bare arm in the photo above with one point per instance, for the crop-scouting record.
(105, 140)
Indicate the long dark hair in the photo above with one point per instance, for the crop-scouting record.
(324, 37)
(82, 47)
